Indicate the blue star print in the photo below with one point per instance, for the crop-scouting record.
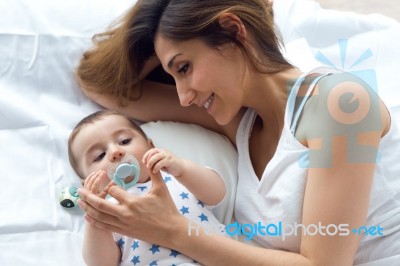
(135, 260)
(154, 249)
(184, 210)
(167, 178)
(200, 203)
(174, 253)
(184, 195)
(120, 242)
(154, 263)
(203, 217)
(142, 188)
(135, 245)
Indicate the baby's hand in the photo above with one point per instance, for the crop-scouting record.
(158, 159)
(97, 183)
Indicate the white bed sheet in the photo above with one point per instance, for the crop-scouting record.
(40, 45)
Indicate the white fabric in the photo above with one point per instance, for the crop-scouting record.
(282, 187)
(40, 45)
(310, 31)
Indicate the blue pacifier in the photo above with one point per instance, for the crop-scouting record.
(124, 171)
(130, 168)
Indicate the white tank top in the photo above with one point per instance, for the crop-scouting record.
(278, 197)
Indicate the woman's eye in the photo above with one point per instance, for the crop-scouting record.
(100, 157)
(126, 141)
(184, 69)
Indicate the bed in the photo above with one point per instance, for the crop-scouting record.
(40, 45)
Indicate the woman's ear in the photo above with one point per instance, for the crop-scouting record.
(234, 24)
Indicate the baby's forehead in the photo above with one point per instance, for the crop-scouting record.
(111, 121)
(107, 126)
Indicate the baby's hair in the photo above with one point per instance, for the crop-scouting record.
(90, 119)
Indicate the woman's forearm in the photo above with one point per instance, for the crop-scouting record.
(99, 247)
(222, 250)
(140, 217)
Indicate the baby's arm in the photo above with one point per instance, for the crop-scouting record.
(99, 247)
(206, 184)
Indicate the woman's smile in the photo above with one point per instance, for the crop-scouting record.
(209, 101)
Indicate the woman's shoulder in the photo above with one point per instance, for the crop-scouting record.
(342, 104)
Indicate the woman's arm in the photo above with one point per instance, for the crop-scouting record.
(218, 250)
(160, 102)
(140, 217)
(343, 144)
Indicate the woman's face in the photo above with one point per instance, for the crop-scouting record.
(204, 76)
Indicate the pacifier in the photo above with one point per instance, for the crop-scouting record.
(122, 172)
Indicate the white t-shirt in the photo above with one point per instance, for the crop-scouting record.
(278, 196)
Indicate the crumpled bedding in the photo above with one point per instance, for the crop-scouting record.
(40, 45)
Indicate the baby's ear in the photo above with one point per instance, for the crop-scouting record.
(150, 142)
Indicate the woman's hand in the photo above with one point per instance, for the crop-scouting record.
(148, 217)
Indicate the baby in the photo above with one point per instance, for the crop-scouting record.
(106, 138)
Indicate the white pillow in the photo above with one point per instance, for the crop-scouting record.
(204, 147)
(41, 43)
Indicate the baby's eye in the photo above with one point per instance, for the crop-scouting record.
(184, 68)
(126, 141)
(100, 157)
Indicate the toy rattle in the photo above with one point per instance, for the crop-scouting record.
(68, 197)
(121, 176)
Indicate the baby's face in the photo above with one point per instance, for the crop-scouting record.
(107, 142)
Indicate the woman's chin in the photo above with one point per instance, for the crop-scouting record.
(222, 120)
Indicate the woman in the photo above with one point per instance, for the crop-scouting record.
(308, 143)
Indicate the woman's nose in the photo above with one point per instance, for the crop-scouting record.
(116, 155)
(186, 96)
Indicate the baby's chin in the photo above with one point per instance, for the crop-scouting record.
(144, 175)
(144, 179)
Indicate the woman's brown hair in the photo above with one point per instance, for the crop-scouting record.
(185, 20)
(106, 69)
(113, 65)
